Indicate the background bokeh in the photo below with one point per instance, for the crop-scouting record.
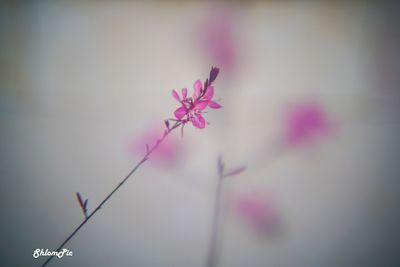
(81, 83)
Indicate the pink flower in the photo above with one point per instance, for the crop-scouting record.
(304, 122)
(258, 211)
(192, 107)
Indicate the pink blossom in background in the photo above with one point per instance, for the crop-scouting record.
(166, 155)
(305, 122)
(192, 107)
(259, 211)
(219, 38)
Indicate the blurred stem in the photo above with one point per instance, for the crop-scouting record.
(144, 159)
(213, 247)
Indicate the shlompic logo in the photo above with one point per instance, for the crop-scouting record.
(40, 252)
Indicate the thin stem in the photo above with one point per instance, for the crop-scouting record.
(213, 247)
(144, 159)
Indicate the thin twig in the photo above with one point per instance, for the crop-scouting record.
(213, 247)
(144, 159)
(212, 258)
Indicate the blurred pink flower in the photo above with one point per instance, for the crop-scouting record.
(192, 107)
(305, 122)
(219, 38)
(258, 211)
(167, 153)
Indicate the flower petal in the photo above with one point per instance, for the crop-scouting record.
(200, 105)
(209, 93)
(180, 113)
(197, 89)
(175, 95)
(213, 104)
(198, 121)
(184, 93)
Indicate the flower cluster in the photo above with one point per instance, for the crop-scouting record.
(192, 107)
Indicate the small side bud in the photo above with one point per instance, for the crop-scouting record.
(206, 84)
(80, 201)
(213, 74)
(85, 204)
(236, 171)
(82, 204)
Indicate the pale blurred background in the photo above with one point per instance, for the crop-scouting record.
(81, 81)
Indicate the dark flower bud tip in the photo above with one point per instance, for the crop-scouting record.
(213, 74)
